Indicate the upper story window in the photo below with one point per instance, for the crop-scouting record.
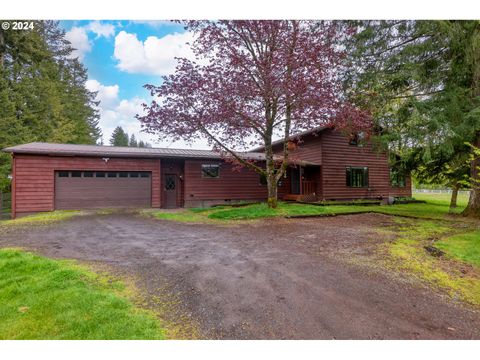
(357, 177)
(357, 139)
(210, 171)
(397, 178)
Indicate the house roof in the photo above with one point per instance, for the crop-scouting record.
(40, 148)
(295, 136)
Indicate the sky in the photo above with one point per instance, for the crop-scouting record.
(121, 57)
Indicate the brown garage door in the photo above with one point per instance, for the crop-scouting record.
(102, 189)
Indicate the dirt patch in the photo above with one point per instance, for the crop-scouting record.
(271, 279)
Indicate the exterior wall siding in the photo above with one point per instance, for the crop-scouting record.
(332, 150)
(35, 181)
(33, 186)
(337, 154)
(232, 185)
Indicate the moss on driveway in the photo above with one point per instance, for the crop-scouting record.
(42, 218)
(455, 272)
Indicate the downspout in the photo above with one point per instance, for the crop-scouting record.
(300, 173)
(14, 188)
(160, 183)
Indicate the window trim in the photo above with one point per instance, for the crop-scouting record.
(217, 166)
(349, 178)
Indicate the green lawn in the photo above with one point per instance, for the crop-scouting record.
(463, 246)
(442, 199)
(41, 298)
(437, 207)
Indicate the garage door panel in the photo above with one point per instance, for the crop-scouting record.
(92, 192)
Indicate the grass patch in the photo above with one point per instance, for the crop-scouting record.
(464, 247)
(427, 210)
(407, 254)
(184, 215)
(436, 207)
(42, 218)
(249, 212)
(41, 298)
(442, 199)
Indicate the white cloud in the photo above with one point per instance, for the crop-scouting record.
(78, 36)
(101, 29)
(153, 56)
(121, 112)
(107, 95)
(79, 39)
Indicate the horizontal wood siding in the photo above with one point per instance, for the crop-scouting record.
(232, 184)
(35, 181)
(309, 148)
(338, 154)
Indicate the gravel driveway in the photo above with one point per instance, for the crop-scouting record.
(270, 279)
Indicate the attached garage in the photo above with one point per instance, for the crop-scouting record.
(77, 189)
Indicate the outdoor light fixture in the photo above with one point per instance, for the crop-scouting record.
(106, 159)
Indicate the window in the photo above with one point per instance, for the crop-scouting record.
(357, 177)
(88, 174)
(63, 174)
(134, 174)
(170, 182)
(123, 174)
(263, 179)
(144, 174)
(397, 178)
(112, 174)
(210, 171)
(76, 174)
(100, 174)
(357, 139)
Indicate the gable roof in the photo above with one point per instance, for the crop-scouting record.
(40, 148)
(294, 137)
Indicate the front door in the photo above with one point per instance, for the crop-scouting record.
(295, 178)
(170, 189)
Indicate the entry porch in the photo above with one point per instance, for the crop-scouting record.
(305, 183)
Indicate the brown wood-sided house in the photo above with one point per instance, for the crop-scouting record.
(326, 165)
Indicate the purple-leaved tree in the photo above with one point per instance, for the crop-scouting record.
(253, 81)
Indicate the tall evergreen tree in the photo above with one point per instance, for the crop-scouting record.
(42, 92)
(133, 141)
(119, 137)
(421, 81)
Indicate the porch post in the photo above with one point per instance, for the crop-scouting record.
(300, 179)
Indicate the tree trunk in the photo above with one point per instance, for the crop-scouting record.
(272, 191)
(453, 200)
(2, 48)
(473, 207)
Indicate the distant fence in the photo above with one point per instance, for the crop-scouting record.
(5, 205)
(440, 191)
